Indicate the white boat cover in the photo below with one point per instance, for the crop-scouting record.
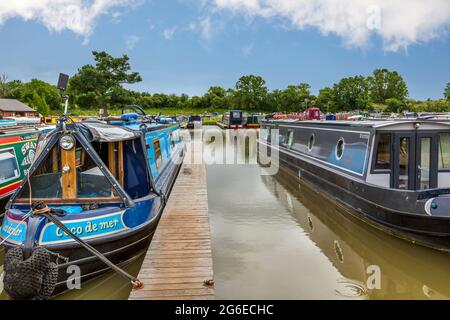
(107, 133)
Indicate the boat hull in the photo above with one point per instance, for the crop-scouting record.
(386, 209)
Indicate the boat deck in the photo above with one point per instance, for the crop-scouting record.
(178, 263)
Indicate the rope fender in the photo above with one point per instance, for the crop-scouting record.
(31, 279)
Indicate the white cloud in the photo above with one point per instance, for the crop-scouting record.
(247, 51)
(205, 26)
(169, 33)
(131, 42)
(399, 23)
(77, 16)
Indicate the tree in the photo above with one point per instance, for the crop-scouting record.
(434, 106)
(251, 92)
(394, 105)
(351, 94)
(385, 84)
(4, 88)
(38, 94)
(49, 93)
(274, 101)
(447, 92)
(326, 100)
(103, 82)
(35, 101)
(295, 97)
(215, 98)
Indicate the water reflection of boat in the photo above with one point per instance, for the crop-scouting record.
(407, 271)
(106, 182)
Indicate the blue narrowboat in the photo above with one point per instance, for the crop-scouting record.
(106, 182)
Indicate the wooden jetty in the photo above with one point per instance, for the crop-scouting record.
(178, 263)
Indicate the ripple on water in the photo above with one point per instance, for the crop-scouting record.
(351, 289)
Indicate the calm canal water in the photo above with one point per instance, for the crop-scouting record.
(274, 238)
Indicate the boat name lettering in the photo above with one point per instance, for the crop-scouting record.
(14, 230)
(90, 227)
(7, 228)
(28, 152)
(84, 228)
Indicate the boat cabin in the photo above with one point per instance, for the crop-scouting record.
(95, 164)
(408, 154)
(411, 156)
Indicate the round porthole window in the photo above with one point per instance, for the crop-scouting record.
(340, 148)
(311, 141)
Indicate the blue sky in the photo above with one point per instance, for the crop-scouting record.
(187, 46)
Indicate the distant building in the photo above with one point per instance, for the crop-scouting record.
(15, 108)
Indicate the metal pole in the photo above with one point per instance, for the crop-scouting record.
(66, 104)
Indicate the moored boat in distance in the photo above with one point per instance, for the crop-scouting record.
(232, 120)
(194, 122)
(253, 121)
(105, 181)
(394, 175)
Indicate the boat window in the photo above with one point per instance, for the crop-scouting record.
(172, 139)
(291, 138)
(404, 163)
(87, 181)
(158, 155)
(91, 182)
(46, 180)
(9, 169)
(265, 133)
(444, 150)
(311, 141)
(425, 163)
(383, 155)
(340, 148)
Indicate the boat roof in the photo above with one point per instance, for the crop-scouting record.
(117, 130)
(360, 123)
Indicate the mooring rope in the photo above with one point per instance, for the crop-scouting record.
(43, 210)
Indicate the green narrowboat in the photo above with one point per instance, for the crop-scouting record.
(254, 121)
(17, 149)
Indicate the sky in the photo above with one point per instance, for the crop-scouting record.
(186, 46)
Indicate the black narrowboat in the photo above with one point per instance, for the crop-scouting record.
(394, 175)
(233, 119)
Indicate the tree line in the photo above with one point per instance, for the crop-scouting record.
(101, 86)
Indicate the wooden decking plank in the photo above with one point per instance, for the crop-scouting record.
(179, 259)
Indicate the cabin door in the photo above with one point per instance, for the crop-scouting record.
(415, 161)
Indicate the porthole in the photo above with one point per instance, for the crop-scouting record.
(311, 141)
(340, 146)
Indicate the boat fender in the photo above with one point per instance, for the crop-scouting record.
(127, 117)
(30, 279)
